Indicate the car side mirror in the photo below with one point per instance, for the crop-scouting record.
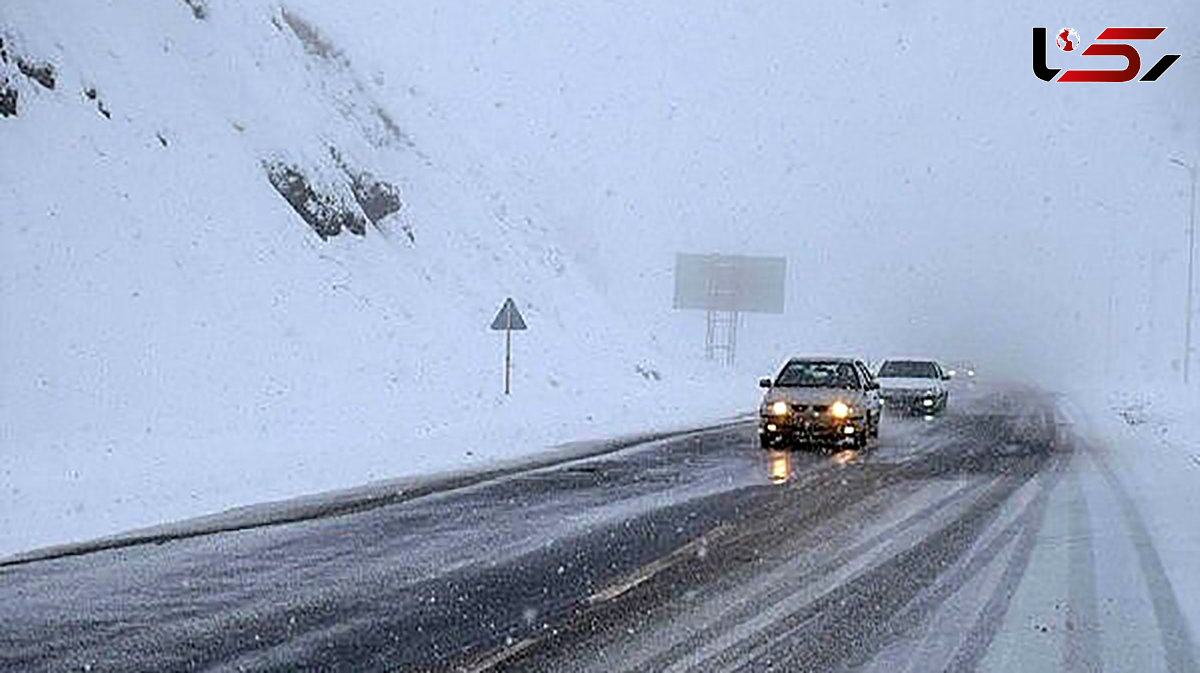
(764, 382)
(872, 385)
(946, 377)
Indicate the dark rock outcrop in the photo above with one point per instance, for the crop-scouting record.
(325, 213)
(91, 94)
(377, 199)
(199, 9)
(42, 73)
(8, 99)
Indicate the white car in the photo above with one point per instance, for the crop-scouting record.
(961, 370)
(913, 385)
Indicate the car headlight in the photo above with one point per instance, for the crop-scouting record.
(779, 408)
(839, 409)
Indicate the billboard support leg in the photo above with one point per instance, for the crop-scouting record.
(720, 336)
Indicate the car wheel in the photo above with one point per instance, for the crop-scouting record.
(875, 427)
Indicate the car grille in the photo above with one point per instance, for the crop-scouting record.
(903, 394)
(802, 408)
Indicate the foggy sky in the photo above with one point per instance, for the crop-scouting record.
(930, 193)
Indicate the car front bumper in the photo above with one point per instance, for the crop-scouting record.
(797, 427)
(915, 402)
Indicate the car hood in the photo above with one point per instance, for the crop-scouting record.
(812, 395)
(904, 383)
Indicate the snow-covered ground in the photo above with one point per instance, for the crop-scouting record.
(177, 340)
(1138, 476)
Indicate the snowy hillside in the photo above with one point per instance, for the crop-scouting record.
(231, 270)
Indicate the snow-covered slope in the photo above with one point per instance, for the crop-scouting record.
(177, 338)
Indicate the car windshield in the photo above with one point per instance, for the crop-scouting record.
(909, 369)
(817, 375)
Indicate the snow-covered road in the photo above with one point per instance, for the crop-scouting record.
(1003, 536)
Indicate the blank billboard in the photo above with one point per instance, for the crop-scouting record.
(730, 283)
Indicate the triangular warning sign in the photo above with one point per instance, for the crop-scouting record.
(509, 317)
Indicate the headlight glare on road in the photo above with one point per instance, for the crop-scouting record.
(779, 408)
(839, 409)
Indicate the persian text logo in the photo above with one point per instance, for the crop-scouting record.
(1068, 41)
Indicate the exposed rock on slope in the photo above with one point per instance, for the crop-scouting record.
(8, 99)
(199, 9)
(42, 73)
(326, 213)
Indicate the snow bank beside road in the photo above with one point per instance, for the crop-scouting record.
(1158, 429)
(1150, 438)
(86, 494)
(360, 498)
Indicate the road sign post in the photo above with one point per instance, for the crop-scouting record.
(508, 319)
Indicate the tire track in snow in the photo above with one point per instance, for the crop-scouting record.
(981, 583)
(1025, 530)
(786, 598)
(1082, 643)
(878, 605)
(1173, 628)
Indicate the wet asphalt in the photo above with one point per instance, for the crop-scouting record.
(700, 552)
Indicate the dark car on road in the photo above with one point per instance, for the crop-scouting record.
(819, 400)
